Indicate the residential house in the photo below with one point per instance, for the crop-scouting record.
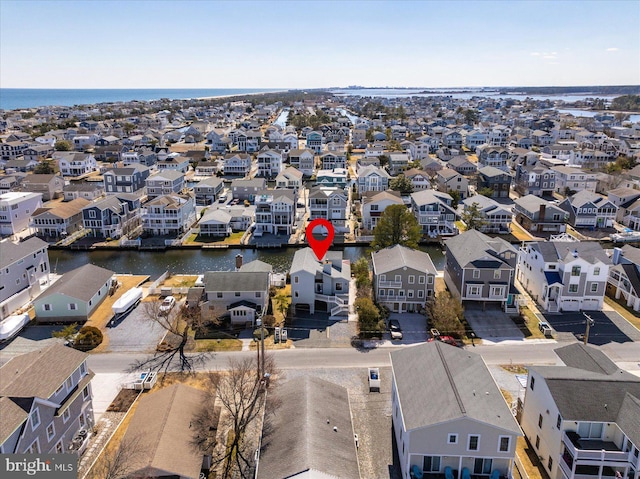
(162, 430)
(269, 163)
(142, 156)
(242, 217)
(448, 181)
(398, 163)
(434, 213)
(38, 152)
(242, 296)
(359, 137)
(206, 168)
(303, 160)
(237, 164)
(11, 150)
(403, 278)
(128, 179)
(10, 182)
(538, 215)
(290, 178)
(541, 138)
(164, 183)
(330, 203)
(535, 180)
(498, 135)
(288, 450)
(570, 179)
(582, 419)
(468, 427)
(15, 211)
(452, 139)
(496, 179)
(431, 166)
(374, 151)
(495, 156)
(77, 164)
(168, 215)
(275, 212)
(59, 221)
(373, 204)
(497, 218)
(84, 142)
(314, 142)
(20, 165)
(113, 216)
(474, 138)
(332, 178)
(589, 210)
(87, 190)
(24, 268)
(462, 165)
(174, 162)
(46, 402)
(215, 222)
(481, 269)
(629, 214)
(208, 191)
(622, 196)
(332, 160)
(623, 283)
(372, 178)
(246, 189)
(322, 284)
(49, 186)
(75, 296)
(420, 180)
(564, 275)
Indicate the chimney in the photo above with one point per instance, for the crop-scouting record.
(238, 261)
(543, 209)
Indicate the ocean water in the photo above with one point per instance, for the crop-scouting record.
(14, 98)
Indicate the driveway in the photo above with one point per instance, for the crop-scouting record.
(604, 331)
(414, 328)
(492, 324)
(135, 332)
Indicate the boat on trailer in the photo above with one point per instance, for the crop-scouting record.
(12, 325)
(127, 302)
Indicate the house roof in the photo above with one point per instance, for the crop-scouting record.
(629, 417)
(554, 251)
(457, 384)
(631, 270)
(166, 175)
(216, 216)
(427, 197)
(631, 253)
(375, 196)
(473, 248)
(256, 266)
(162, 425)
(64, 210)
(491, 171)
(305, 260)
(39, 373)
(533, 203)
(13, 413)
(11, 252)
(301, 437)
(398, 256)
(81, 283)
(232, 281)
(580, 356)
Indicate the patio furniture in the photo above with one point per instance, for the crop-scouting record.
(465, 473)
(416, 473)
(495, 474)
(448, 473)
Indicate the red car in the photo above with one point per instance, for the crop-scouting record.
(436, 336)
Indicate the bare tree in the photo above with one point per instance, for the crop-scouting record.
(171, 354)
(240, 392)
(118, 463)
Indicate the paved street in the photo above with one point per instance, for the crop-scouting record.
(608, 327)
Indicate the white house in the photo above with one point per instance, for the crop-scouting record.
(434, 213)
(330, 203)
(238, 164)
(169, 214)
(372, 178)
(77, 164)
(275, 212)
(303, 160)
(373, 205)
(290, 178)
(15, 211)
(269, 163)
(449, 418)
(564, 275)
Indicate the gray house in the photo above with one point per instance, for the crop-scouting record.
(450, 417)
(75, 296)
(127, 179)
(208, 191)
(539, 215)
(246, 190)
(481, 269)
(165, 182)
(403, 278)
(46, 402)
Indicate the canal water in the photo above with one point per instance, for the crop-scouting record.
(196, 261)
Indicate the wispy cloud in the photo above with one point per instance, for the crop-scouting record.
(549, 57)
(612, 49)
(535, 54)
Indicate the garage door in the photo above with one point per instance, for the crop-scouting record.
(591, 304)
(570, 305)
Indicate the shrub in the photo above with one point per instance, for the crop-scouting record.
(88, 338)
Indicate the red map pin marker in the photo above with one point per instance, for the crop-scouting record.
(320, 247)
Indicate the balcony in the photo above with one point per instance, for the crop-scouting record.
(592, 449)
(390, 284)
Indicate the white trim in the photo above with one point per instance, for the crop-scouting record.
(37, 413)
(53, 434)
(469, 436)
(499, 443)
(455, 436)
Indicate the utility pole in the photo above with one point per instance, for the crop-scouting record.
(590, 322)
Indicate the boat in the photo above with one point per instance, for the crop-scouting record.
(12, 325)
(127, 301)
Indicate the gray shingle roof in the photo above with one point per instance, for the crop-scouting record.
(473, 246)
(437, 383)
(81, 283)
(554, 251)
(394, 257)
(232, 281)
(301, 436)
(585, 357)
(12, 252)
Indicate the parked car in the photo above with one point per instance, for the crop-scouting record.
(545, 329)
(436, 336)
(167, 304)
(395, 329)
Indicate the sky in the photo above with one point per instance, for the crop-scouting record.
(317, 44)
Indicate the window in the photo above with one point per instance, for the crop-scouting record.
(537, 442)
(85, 392)
(558, 422)
(539, 420)
(429, 279)
(594, 287)
(412, 279)
(258, 294)
(573, 288)
(65, 415)
(219, 294)
(51, 431)
(420, 279)
(505, 444)
(550, 463)
(421, 293)
(237, 294)
(497, 274)
(83, 423)
(482, 466)
(453, 439)
(59, 448)
(35, 419)
(476, 273)
(382, 292)
(59, 389)
(46, 307)
(596, 271)
(73, 306)
(295, 279)
(575, 271)
(410, 293)
(532, 383)
(69, 383)
(83, 370)
(431, 463)
(474, 442)
(34, 448)
(398, 278)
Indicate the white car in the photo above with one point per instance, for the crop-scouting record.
(168, 303)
